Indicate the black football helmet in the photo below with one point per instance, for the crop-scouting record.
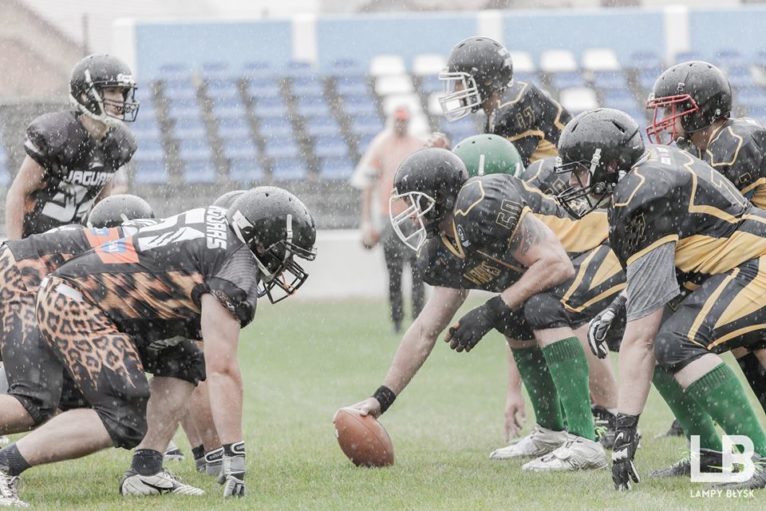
(428, 182)
(276, 226)
(695, 92)
(477, 67)
(118, 209)
(91, 76)
(227, 199)
(603, 144)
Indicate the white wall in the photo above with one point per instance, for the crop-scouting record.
(344, 269)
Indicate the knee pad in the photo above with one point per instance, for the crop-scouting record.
(545, 310)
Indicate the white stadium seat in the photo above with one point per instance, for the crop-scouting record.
(522, 62)
(600, 59)
(393, 84)
(434, 107)
(578, 99)
(428, 64)
(387, 65)
(557, 61)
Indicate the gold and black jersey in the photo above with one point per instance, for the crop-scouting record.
(487, 211)
(737, 149)
(669, 195)
(531, 119)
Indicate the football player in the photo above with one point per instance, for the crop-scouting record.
(38, 384)
(674, 219)
(73, 154)
(600, 278)
(200, 270)
(479, 76)
(692, 104)
(478, 233)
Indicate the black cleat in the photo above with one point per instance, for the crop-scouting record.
(710, 461)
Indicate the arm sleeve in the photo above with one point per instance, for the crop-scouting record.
(651, 281)
(235, 285)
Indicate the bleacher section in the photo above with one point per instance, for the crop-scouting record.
(219, 128)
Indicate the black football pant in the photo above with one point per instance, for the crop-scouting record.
(396, 255)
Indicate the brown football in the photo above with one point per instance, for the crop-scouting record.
(363, 439)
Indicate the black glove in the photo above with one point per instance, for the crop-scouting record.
(598, 328)
(233, 472)
(624, 451)
(475, 324)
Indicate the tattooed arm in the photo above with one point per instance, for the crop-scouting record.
(536, 247)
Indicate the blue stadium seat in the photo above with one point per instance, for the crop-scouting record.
(199, 170)
(685, 56)
(282, 148)
(609, 80)
(242, 147)
(263, 87)
(336, 168)
(565, 80)
(233, 127)
(647, 77)
(275, 127)
(178, 85)
(146, 133)
(308, 86)
(365, 140)
(729, 57)
(739, 76)
(621, 99)
(149, 170)
(318, 126)
(335, 149)
(245, 170)
(360, 106)
(645, 60)
(184, 131)
(758, 113)
(226, 100)
(526, 77)
(313, 106)
(367, 124)
(431, 84)
(284, 169)
(352, 85)
(150, 144)
(193, 148)
(270, 107)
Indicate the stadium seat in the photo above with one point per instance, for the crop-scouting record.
(184, 132)
(645, 60)
(739, 76)
(383, 65)
(246, 171)
(322, 126)
(729, 57)
(366, 125)
(284, 169)
(352, 85)
(199, 170)
(193, 148)
(270, 107)
(600, 59)
(430, 84)
(275, 127)
(578, 99)
(263, 87)
(557, 61)
(335, 168)
(307, 86)
(240, 147)
(522, 62)
(685, 56)
(233, 127)
(149, 170)
(393, 84)
(610, 80)
(360, 105)
(334, 149)
(150, 145)
(411, 101)
(313, 106)
(282, 148)
(428, 64)
(567, 79)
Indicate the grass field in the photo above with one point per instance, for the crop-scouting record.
(302, 361)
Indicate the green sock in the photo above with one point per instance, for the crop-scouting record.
(690, 415)
(569, 371)
(720, 393)
(540, 387)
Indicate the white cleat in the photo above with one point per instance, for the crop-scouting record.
(540, 441)
(576, 454)
(9, 491)
(134, 484)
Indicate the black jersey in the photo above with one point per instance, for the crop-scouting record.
(671, 196)
(77, 167)
(738, 151)
(150, 284)
(531, 119)
(40, 254)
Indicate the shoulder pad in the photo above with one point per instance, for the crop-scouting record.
(487, 209)
(737, 152)
(120, 145)
(54, 137)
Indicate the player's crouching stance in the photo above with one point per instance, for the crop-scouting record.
(203, 269)
(479, 233)
(674, 218)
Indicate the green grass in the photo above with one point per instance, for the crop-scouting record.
(302, 361)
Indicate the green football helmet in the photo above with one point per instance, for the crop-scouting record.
(489, 154)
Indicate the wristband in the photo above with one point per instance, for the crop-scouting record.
(385, 397)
